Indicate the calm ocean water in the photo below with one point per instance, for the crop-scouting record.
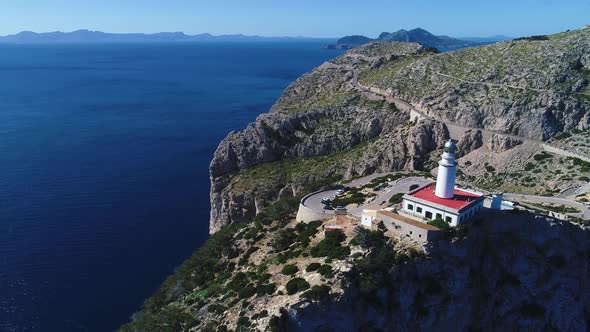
(104, 153)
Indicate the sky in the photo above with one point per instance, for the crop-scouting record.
(311, 18)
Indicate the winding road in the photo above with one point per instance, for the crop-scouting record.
(402, 185)
(374, 93)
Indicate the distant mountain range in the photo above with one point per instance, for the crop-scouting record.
(88, 36)
(418, 35)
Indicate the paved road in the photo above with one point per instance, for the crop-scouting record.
(315, 201)
(375, 93)
(381, 201)
(556, 200)
(402, 185)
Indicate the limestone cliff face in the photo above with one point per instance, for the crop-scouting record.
(532, 89)
(390, 145)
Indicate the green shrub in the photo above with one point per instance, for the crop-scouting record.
(247, 292)
(331, 246)
(439, 223)
(326, 271)
(369, 239)
(306, 231)
(317, 292)
(541, 156)
(243, 322)
(490, 169)
(289, 270)
(313, 267)
(354, 198)
(533, 38)
(239, 281)
(396, 198)
(296, 285)
(284, 239)
(584, 178)
(414, 186)
(216, 308)
(265, 289)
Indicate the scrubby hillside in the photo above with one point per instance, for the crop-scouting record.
(533, 87)
(351, 116)
(520, 113)
(507, 271)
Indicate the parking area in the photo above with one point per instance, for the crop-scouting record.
(380, 200)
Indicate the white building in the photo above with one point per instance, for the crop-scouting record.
(368, 216)
(440, 200)
(443, 200)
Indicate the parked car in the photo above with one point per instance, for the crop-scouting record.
(328, 207)
(340, 208)
(326, 201)
(339, 192)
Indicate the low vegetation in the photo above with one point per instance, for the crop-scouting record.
(331, 246)
(290, 269)
(296, 285)
(439, 223)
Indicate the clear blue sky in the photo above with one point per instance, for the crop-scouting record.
(315, 18)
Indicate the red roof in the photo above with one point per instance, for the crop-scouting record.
(460, 199)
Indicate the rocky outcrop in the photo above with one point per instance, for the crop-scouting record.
(501, 87)
(511, 273)
(501, 143)
(327, 112)
(390, 146)
(471, 140)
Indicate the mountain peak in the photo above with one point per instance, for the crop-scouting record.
(416, 35)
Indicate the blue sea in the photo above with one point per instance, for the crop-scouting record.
(104, 155)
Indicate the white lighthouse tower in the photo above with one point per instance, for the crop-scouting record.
(447, 171)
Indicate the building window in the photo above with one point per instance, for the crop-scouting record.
(419, 235)
(428, 215)
(418, 209)
(410, 232)
(448, 219)
(410, 207)
(438, 216)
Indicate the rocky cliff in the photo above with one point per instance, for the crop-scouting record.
(505, 271)
(386, 107)
(532, 88)
(338, 121)
(510, 273)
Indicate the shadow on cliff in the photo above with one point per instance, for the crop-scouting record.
(510, 271)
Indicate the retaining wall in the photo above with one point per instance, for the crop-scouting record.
(306, 214)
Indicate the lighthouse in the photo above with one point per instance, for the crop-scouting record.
(441, 200)
(447, 171)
